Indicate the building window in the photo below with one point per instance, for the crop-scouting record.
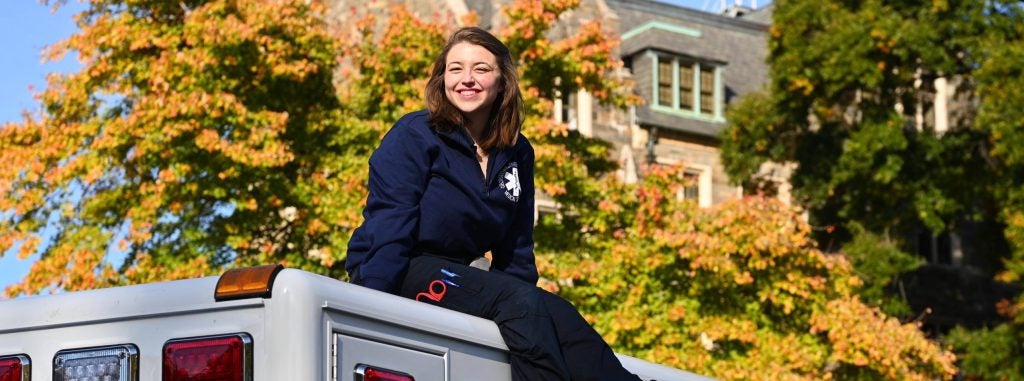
(687, 86)
(691, 185)
(665, 88)
(707, 90)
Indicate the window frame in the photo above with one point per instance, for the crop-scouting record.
(698, 67)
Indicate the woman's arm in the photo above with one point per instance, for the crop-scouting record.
(399, 170)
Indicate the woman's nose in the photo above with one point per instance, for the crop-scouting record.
(467, 77)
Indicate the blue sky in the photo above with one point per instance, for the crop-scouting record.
(27, 27)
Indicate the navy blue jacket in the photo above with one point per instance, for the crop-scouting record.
(429, 196)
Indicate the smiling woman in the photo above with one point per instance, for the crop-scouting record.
(26, 28)
(453, 183)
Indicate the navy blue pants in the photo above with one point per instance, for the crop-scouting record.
(546, 336)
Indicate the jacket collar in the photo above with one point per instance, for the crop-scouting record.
(459, 138)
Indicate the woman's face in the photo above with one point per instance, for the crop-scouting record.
(471, 79)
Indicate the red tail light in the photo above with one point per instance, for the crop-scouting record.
(368, 373)
(15, 368)
(218, 358)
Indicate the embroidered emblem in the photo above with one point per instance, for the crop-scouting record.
(509, 182)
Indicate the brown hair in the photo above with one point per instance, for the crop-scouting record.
(506, 120)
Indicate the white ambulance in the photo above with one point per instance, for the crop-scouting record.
(254, 324)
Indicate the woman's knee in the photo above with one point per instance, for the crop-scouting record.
(519, 301)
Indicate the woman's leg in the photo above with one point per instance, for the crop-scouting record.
(517, 307)
(587, 355)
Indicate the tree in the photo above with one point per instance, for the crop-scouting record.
(737, 291)
(879, 263)
(996, 352)
(193, 138)
(851, 82)
(846, 115)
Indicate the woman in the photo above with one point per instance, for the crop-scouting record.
(454, 181)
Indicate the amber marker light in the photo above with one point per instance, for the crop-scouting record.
(248, 282)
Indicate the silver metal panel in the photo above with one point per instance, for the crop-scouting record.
(354, 351)
(465, 360)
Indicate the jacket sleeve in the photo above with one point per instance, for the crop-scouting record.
(399, 170)
(514, 254)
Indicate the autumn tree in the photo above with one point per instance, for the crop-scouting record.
(194, 137)
(852, 101)
(859, 127)
(996, 353)
(846, 115)
(737, 291)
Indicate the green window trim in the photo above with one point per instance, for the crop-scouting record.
(694, 108)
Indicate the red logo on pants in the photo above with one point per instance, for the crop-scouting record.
(435, 291)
